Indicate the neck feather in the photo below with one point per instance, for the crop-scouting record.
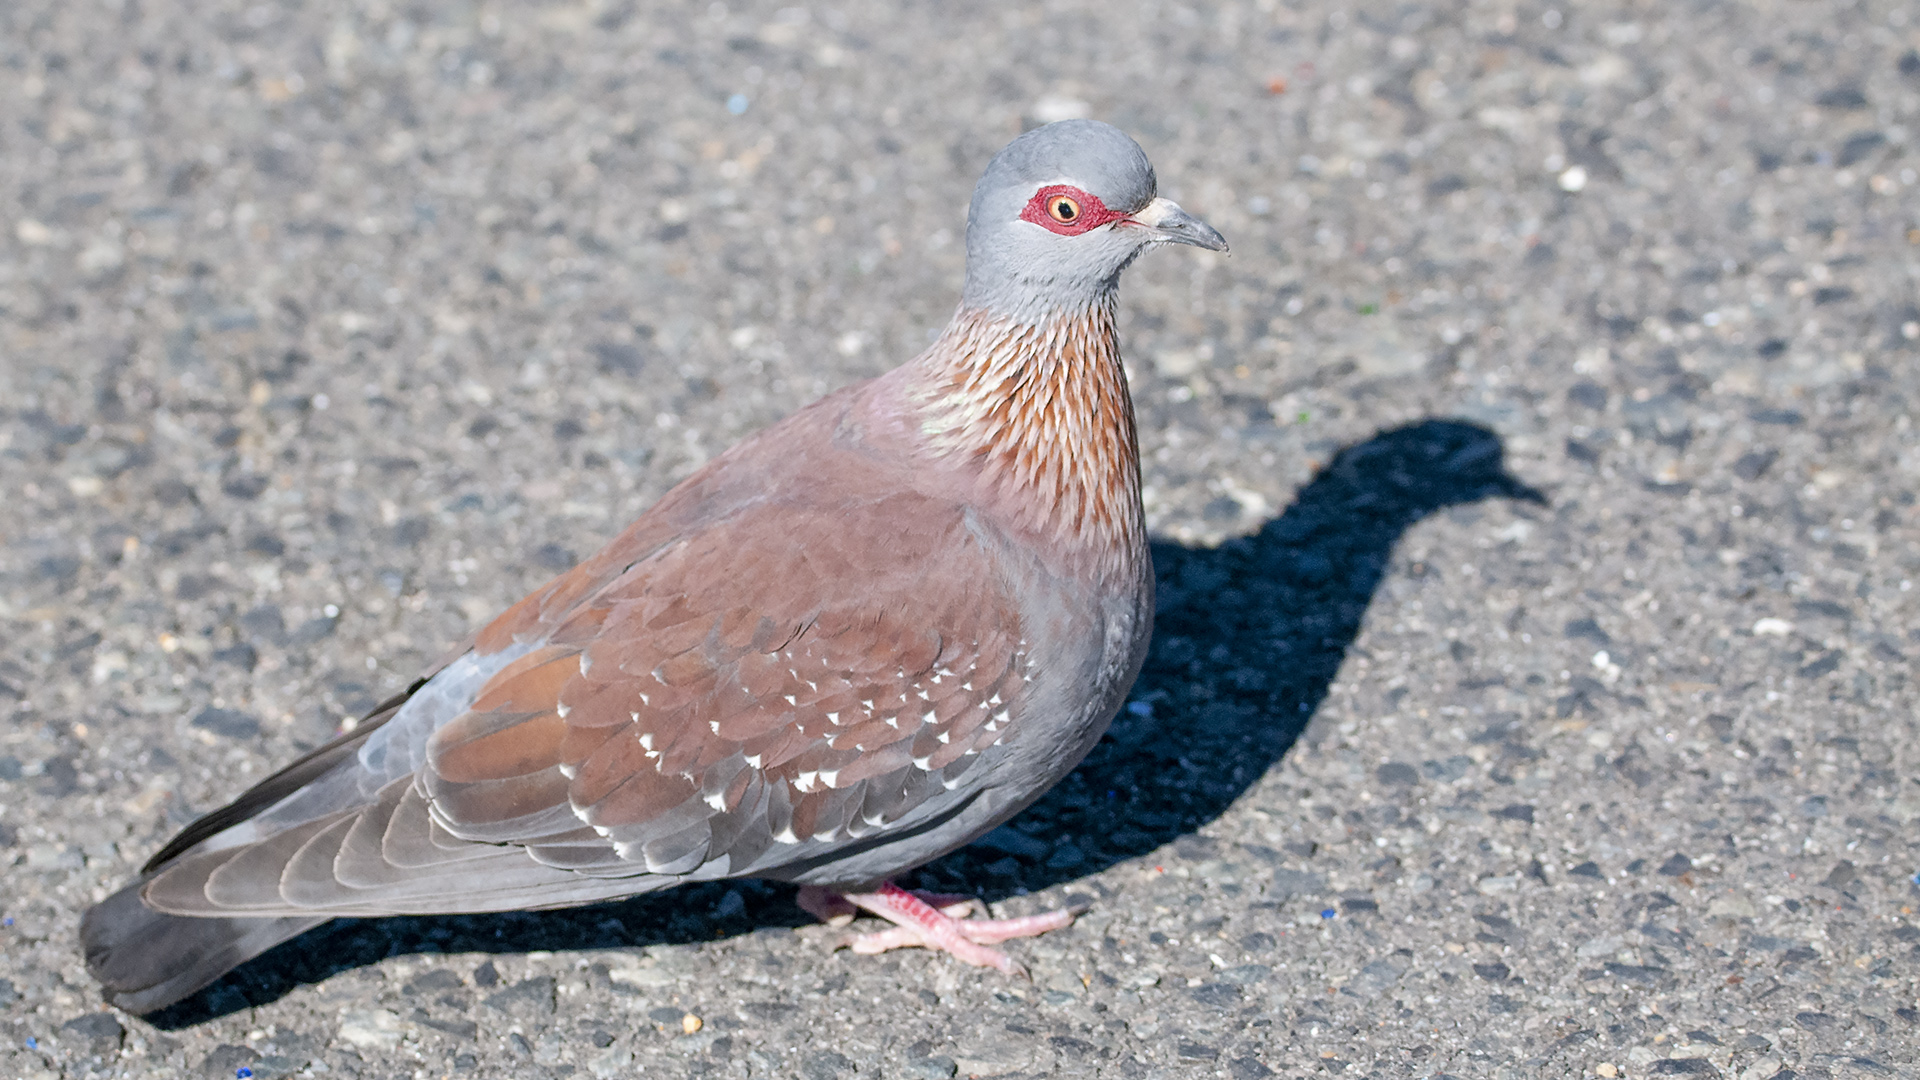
(1038, 412)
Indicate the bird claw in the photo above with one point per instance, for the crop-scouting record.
(935, 921)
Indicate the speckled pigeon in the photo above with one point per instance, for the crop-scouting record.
(850, 644)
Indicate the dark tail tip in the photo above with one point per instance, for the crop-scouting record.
(146, 960)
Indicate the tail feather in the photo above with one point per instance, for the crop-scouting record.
(146, 960)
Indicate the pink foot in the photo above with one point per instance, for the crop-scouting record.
(931, 921)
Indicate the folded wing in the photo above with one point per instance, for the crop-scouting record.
(753, 696)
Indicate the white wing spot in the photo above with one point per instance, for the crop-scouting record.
(785, 836)
(753, 762)
(646, 739)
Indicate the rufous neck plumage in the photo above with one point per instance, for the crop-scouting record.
(1038, 413)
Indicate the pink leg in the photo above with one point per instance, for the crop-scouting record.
(826, 905)
(836, 910)
(953, 904)
(932, 922)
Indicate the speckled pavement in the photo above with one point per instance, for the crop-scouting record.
(1532, 694)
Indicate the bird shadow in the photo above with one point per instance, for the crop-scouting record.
(1247, 638)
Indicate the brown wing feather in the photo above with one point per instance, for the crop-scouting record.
(730, 696)
(789, 680)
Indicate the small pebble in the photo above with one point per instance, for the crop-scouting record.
(690, 1023)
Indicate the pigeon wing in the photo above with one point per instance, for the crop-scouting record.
(750, 697)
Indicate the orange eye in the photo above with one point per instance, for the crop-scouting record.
(1063, 209)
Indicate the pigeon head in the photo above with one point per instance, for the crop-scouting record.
(1060, 212)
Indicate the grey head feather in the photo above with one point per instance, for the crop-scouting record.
(1021, 270)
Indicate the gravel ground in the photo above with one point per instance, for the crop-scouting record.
(1532, 694)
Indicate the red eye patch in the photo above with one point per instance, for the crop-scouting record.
(1065, 209)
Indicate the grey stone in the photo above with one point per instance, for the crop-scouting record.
(432, 981)
(1379, 976)
(1397, 774)
(1217, 995)
(230, 723)
(1684, 1067)
(1187, 1050)
(1676, 865)
(528, 997)
(826, 1065)
(929, 1068)
(98, 1033)
(225, 1061)
(1290, 883)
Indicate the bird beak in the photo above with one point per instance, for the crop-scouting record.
(1167, 223)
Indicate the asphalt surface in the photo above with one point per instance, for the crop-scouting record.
(1533, 689)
